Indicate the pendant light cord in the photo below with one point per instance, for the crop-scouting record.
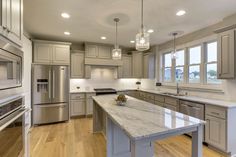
(116, 34)
(142, 27)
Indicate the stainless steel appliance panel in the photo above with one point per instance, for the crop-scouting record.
(60, 84)
(42, 84)
(51, 113)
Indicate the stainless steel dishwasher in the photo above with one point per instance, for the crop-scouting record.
(192, 109)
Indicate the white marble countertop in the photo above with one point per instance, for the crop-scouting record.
(140, 119)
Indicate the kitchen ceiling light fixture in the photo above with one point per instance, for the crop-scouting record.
(181, 13)
(150, 31)
(132, 41)
(116, 52)
(173, 53)
(103, 38)
(65, 15)
(142, 38)
(67, 33)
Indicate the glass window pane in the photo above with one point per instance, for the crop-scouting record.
(194, 74)
(212, 52)
(168, 60)
(180, 58)
(167, 74)
(195, 55)
(179, 74)
(212, 74)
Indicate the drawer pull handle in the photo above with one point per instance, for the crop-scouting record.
(215, 113)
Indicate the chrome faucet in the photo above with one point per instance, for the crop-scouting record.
(177, 89)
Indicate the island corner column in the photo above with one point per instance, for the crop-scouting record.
(197, 142)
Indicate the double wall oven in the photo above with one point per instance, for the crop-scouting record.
(12, 128)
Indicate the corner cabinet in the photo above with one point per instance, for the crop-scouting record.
(226, 53)
(11, 24)
(54, 53)
(77, 64)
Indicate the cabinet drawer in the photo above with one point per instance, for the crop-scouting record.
(159, 103)
(142, 94)
(216, 111)
(77, 96)
(90, 95)
(172, 101)
(150, 96)
(159, 98)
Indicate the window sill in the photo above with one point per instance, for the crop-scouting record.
(212, 88)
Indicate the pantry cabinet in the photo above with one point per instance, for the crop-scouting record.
(226, 53)
(51, 53)
(12, 20)
(97, 51)
(77, 64)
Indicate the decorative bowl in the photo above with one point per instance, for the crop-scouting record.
(120, 103)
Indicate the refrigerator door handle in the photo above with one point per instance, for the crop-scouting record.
(50, 106)
(53, 84)
(49, 84)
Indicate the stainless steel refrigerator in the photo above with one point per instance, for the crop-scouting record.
(50, 93)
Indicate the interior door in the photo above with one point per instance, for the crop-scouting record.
(41, 84)
(60, 84)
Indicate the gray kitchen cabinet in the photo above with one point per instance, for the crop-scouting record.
(159, 100)
(12, 20)
(149, 63)
(55, 53)
(77, 64)
(127, 67)
(215, 128)
(137, 64)
(89, 103)
(97, 51)
(226, 54)
(171, 103)
(77, 105)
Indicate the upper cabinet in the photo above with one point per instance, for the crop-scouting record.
(137, 64)
(127, 66)
(97, 51)
(77, 64)
(11, 23)
(226, 53)
(149, 62)
(53, 53)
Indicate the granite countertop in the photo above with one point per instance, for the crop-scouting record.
(140, 119)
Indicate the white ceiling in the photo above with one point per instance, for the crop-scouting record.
(91, 19)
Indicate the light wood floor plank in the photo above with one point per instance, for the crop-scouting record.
(75, 139)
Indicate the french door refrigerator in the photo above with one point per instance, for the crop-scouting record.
(50, 93)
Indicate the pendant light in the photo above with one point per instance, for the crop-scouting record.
(116, 52)
(142, 38)
(174, 52)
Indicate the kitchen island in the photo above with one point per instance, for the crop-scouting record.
(130, 130)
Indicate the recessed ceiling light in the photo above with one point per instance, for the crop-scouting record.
(132, 41)
(181, 13)
(103, 38)
(65, 15)
(67, 33)
(150, 31)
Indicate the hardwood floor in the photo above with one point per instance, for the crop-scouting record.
(75, 139)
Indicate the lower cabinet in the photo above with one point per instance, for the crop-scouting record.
(171, 107)
(77, 105)
(89, 103)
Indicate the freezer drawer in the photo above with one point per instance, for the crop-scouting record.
(50, 113)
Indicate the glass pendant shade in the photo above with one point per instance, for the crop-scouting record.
(174, 52)
(142, 41)
(116, 53)
(174, 55)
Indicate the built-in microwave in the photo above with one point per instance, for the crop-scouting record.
(11, 59)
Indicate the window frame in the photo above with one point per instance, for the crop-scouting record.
(179, 66)
(164, 67)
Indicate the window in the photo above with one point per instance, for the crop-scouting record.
(167, 67)
(179, 66)
(194, 64)
(211, 63)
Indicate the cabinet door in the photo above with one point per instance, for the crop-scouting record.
(61, 54)
(89, 105)
(215, 133)
(127, 67)
(137, 65)
(171, 107)
(77, 65)
(104, 52)
(42, 53)
(77, 107)
(15, 21)
(91, 51)
(145, 66)
(226, 56)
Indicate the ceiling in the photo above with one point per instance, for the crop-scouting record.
(91, 19)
